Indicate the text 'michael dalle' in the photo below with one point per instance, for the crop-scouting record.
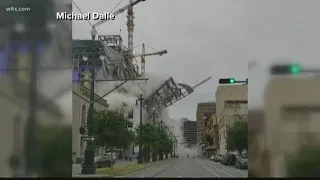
(87, 16)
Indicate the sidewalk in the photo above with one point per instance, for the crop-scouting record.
(76, 168)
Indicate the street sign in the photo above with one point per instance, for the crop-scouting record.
(88, 138)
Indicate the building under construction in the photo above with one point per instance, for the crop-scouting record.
(114, 61)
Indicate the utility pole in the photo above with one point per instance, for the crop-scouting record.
(30, 143)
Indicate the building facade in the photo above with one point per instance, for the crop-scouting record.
(189, 129)
(203, 109)
(80, 106)
(259, 164)
(292, 107)
(231, 104)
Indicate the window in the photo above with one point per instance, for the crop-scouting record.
(236, 105)
(240, 117)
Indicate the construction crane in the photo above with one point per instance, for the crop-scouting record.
(143, 55)
(130, 28)
(119, 11)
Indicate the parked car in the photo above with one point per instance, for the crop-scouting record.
(103, 161)
(218, 158)
(242, 162)
(229, 159)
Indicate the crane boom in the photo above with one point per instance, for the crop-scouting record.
(143, 55)
(160, 53)
(119, 11)
(202, 82)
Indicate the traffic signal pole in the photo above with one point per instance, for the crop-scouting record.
(231, 81)
(293, 69)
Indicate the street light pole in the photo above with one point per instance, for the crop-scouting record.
(160, 152)
(88, 165)
(140, 99)
(171, 135)
(175, 147)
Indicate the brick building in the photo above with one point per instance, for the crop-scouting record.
(204, 111)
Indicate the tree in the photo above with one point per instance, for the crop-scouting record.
(53, 150)
(305, 163)
(147, 139)
(237, 136)
(110, 130)
(154, 140)
(162, 142)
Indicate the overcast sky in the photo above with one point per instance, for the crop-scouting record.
(281, 31)
(216, 38)
(203, 38)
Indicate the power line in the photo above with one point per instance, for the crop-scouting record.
(81, 11)
(116, 6)
(151, 47)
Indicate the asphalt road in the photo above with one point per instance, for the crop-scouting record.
(191, 167)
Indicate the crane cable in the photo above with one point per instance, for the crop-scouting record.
(87, 19)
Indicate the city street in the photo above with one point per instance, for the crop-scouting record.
(191, 167)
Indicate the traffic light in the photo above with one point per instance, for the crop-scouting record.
(293, 69)
(227, 81)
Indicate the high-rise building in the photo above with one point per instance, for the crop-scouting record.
(204, 111)
(189, 129)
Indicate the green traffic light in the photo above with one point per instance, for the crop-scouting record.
(295, 69)
(232, 81)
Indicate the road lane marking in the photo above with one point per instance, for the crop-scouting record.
(177, 169)
(218, 169)
(179, 176)
(171, 165)
(207, 168)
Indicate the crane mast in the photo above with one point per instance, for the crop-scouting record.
(130, 28)
(143, 60)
